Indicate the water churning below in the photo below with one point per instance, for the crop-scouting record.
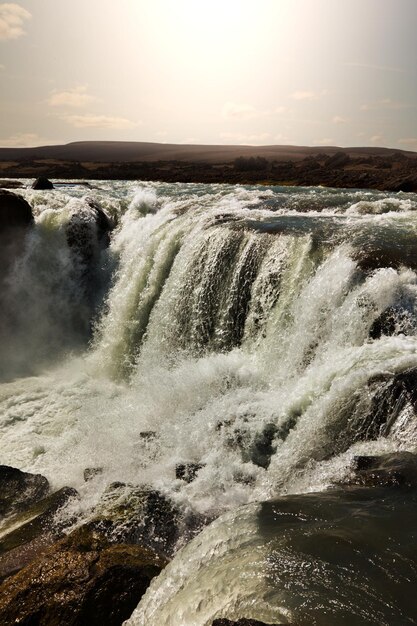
(252, 332)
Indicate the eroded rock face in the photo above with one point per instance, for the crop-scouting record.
(19, 490)
(83, 579)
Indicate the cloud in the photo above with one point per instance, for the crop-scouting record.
(376, 138)
(386, 103)
(239, 111)
(189, 140)
(2, 67)
(337, 119)
(409, 142)
(76, 97)
(12, 18)
(280, 110)
(325, 141)
(241, 138)
(304, 95)
(99, 121)
(381, 68)
(26, 140)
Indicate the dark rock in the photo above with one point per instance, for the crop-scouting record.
(33, 531)
(81, 580)
(387, 470)
(187, 471)
(240, 622)
(138, 515)
(18, 490)
(92, 472)
(390, 398)
(42, 183)
(148, 435)
(340, 159)
(88, 231)
(11, 184)
(393, 321)
(261, 448)
(14, 211)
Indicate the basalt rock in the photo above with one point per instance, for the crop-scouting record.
(187, 471)
(32, 531)
(15, 212)
(131, 514)
(42, 183)
(388, 470)
(81, 580)
(88, 228)
(19, 490)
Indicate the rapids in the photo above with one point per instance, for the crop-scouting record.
(237, 324)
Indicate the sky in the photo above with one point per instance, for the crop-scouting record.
(260, 72)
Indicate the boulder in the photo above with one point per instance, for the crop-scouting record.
(10, 184)
(19, 490)
(33, 531)
(15, 212)
(81, 580)
(89, 220)
(42, 183)
(187, 471)
(387, 470)
(142, 515)
(92, 472)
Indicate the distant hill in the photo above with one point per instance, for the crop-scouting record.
(131, 151)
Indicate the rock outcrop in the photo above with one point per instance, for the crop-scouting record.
(32, 531)
(42, 183)
(83, 579)
(15, 212)
(19, 490)
(397, 469)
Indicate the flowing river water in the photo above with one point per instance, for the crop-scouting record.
(249, 331)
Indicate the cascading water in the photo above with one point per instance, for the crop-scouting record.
(250, 330)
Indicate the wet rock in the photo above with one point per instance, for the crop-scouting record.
(240, 622)
(10, 184)
(42, 183)
(387, 470)
(393, 321)
(138, 515)
(88, 230)
(389, 400)
(92, 472)
(81, 580)
(15, 212)
(187, 471)
(33, 531)
(18, 490)
(148, 435)
(262, 447)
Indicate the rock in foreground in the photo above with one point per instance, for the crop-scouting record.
(18, 490)
(14, 211)
(82, 580)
